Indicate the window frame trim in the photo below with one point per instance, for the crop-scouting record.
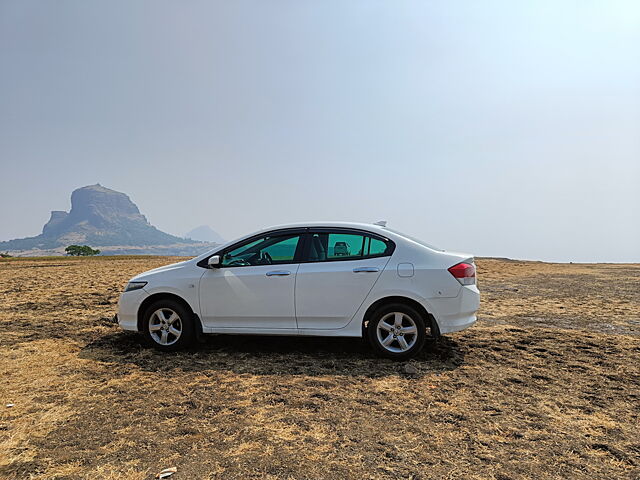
(302, 250)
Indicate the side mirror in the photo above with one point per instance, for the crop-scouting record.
(214, 261)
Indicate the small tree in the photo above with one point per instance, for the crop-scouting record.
(81, 251)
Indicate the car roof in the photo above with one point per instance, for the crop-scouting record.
(329, 224)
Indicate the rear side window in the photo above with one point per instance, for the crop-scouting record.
(332, 246)
(374, 247)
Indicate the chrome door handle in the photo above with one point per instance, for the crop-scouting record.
(366, 269)
(278, 273)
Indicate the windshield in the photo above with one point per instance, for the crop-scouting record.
(414, 239)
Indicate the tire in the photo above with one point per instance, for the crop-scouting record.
(173, 333)
(385, 336)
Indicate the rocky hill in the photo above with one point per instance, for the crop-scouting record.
(106, 219)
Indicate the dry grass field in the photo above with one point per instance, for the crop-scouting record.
(546, 385)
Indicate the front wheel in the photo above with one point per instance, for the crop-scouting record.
(168, 325)
(396, 331)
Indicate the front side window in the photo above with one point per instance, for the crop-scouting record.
(267, 250)
(345, 246)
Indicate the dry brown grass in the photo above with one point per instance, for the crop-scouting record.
(547, 385)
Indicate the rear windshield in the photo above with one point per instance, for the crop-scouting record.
(413, 239)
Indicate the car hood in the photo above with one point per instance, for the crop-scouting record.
(145, 275)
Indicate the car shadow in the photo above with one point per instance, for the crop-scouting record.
(269, 355)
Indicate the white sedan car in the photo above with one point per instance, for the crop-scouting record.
(321, 279)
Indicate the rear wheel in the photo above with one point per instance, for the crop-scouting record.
(168, 325)
(396, 331)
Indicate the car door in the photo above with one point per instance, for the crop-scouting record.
(339, 270)
(253, 290)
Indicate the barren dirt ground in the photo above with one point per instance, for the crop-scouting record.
(546, 385)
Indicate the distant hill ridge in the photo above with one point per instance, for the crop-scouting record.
(204, 233)
(100, 216)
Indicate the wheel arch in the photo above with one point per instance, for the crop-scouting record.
(197, 323)
(433, 324)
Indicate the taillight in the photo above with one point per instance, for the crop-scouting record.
(465, 273)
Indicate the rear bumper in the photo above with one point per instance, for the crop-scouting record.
(457, 324)
(455, 314)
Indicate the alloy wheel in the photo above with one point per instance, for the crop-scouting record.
(397, 332)
(165, 326)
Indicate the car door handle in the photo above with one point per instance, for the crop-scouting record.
(278, 273)
(366, 269)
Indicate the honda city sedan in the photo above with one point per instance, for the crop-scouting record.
(330, 279)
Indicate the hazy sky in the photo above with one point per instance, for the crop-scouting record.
(496, 127)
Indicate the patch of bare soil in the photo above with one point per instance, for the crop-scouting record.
(546, 385)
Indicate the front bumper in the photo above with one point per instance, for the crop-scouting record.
(128, 306)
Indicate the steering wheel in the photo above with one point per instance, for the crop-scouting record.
(267, 257)
(240, 262)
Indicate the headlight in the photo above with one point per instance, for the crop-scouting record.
(134, 286)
